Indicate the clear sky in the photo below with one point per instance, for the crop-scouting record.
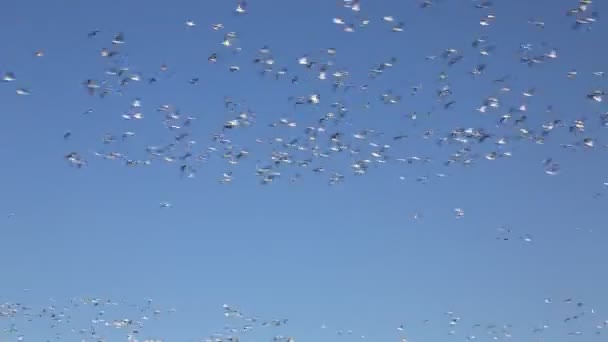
(352, 255)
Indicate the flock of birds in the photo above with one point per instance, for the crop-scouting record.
(297, 145)
(97, 319)
(327, 142)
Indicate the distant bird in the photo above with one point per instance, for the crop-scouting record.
(93, 33)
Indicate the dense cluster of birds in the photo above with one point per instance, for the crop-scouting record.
(97, 319)
(330, 142)
(326, 140)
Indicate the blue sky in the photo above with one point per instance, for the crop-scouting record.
(348, 255)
